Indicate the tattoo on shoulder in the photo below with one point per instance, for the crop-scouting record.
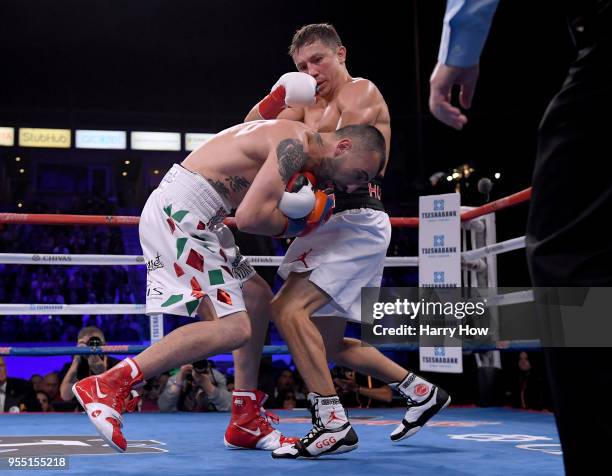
(291, 157)
(219, 187)
(236, 183)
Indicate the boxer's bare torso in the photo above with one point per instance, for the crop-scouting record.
(356, 101)
(231, 160)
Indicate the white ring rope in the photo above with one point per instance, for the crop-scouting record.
(105, 309)
(70, 309)
(497, 248)
(468, 257)
(68, 259)
(131, 260)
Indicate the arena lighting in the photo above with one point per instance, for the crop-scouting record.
(497, 175)
(19, 204)
(156, 172)
(126, 162)
(142, 140)
(124, 173)
(449, 178)
(17, 159)
(22, 171)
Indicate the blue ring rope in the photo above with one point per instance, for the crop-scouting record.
(268, 349)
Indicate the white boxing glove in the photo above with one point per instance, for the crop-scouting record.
(300, 88)
(292, 89)
(299, 198)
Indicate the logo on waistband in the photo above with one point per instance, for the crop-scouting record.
(154, 263)
(217, 217)
(374, 191)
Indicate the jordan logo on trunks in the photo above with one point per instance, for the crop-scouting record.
(302, 258)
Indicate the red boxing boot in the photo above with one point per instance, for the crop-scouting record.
(105, 398)
(249, 427)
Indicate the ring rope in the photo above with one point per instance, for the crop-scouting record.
(111, 309)
(133, 260)
(69, 309)
(495, 249)
(267, 350)
(400, 222)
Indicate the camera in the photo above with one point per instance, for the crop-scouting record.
(95, 341)
(202, 366)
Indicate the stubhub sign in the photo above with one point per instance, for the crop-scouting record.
(91, 139)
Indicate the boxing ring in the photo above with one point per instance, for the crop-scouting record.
(464, 441)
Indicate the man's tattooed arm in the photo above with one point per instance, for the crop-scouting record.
(219, 187)
(236, 183)
(291, 158)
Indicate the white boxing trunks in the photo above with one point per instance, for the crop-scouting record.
(345, 254)
(189, 252)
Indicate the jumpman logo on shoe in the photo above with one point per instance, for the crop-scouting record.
(333, 417)
(302, 258)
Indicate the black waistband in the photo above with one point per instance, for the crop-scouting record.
(366, 196)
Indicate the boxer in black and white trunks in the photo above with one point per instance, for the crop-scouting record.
(326, 270)
(190, 250)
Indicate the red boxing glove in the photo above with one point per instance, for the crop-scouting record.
(298, 180)
(292, 89)
(273, 104)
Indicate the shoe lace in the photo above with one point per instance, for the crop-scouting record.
(317, 424)
(120, 399)
(410, 402)
(268, 416)
(131, 405)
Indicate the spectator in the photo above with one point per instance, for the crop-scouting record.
(16, 395)
(36, 381)
(360, 391)
(50, 385)
(285, 384)
(43, 399)
(85, 365)
(197, 387)
(151, 391)
(289, 402)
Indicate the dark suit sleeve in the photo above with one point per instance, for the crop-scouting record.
(21, 394)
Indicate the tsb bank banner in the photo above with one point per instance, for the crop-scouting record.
(440, 267)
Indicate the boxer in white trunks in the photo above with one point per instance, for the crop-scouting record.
(190, 251)
(326, 270)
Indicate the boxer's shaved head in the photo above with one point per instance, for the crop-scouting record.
(323, 32)
(367, 139)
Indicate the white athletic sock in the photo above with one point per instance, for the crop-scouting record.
(328, 410)
(414, 387)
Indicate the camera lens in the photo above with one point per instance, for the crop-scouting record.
(94, 341)
(201, 366)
